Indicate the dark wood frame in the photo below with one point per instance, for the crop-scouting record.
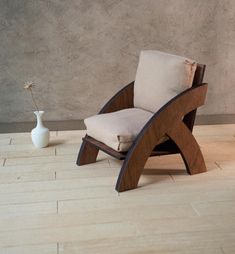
(169, 131)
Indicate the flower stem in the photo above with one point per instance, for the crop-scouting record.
(34, 102)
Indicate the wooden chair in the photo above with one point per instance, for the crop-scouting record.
(168, 131)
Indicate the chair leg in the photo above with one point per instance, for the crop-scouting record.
(129, 176)
(87, 154)
(189, 149)
(133, 166)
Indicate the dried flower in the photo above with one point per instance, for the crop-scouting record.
(29, 86)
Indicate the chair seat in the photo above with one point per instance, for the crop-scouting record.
(118, 129)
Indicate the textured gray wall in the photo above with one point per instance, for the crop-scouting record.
(80, 52)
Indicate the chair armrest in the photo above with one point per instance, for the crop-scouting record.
(121, 100)
(173, 112)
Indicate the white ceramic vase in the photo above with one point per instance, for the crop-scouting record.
(40, 134)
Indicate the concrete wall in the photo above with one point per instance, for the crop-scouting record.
(79, 52)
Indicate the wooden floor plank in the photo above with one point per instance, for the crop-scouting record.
(7, 211)
(53, 166)
(4, 141)
(78, 218)
(2, 161)
(214, 208)
(197, 242)
(12, 177)
(169, 195)
(134, 248)
(50, 235)
(14, 151)
(31, 249)
(39, 160)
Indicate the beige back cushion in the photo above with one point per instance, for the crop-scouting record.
(160, 77)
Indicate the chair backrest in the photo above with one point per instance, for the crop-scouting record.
(189, 119)
(199, 74)
(160, 77)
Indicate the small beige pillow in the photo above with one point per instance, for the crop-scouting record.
(160, 77)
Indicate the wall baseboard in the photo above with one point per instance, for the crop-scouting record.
(215, 119)
(52, 125)
(79, 124)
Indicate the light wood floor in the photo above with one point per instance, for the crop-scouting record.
(48, 205)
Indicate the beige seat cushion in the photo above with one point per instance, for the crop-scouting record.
(117, 129)
(160, 77)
